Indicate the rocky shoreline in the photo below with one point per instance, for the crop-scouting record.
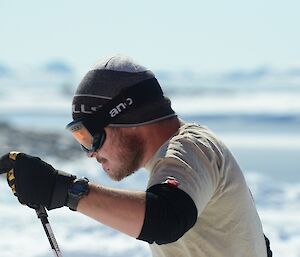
(58, 145)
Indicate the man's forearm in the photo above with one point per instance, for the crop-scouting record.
(120, 209)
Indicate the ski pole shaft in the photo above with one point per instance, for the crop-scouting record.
(42, 215)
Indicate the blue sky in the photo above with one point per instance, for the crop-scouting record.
(171, 35)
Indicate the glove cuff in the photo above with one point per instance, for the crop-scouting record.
(60, 191)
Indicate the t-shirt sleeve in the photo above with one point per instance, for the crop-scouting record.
(192, 169)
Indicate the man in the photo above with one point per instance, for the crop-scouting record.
(197, 202)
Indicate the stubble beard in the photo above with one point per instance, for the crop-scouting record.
(130, 154)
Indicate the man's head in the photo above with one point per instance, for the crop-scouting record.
(117, 93)
(107, 79)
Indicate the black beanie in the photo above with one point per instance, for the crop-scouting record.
(106, 79)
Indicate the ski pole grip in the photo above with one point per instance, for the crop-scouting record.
(41, 212)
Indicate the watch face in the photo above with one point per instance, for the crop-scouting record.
(77, 190)
(80, 187)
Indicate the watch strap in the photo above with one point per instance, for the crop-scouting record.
(77, 190)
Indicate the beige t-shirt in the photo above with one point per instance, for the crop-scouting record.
(228, 224)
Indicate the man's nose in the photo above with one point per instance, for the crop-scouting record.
(91, 154)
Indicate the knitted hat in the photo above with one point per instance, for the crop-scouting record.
(107, 79)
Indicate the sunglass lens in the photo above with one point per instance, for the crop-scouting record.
(98, 141)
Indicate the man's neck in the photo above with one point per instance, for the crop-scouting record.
(156, 134)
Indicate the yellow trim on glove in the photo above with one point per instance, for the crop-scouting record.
(11, 174)
(13, 155)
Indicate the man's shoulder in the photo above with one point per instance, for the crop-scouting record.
(192, 133)
(191, 143)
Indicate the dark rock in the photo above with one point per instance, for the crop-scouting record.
(51, 144)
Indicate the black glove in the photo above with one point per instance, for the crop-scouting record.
(35, 182)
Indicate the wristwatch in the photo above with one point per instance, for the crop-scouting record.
(77, 190)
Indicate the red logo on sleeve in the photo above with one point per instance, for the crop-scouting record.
(171, 181)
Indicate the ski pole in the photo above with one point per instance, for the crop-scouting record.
(42, 215)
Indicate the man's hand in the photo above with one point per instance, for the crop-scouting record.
(34, 181)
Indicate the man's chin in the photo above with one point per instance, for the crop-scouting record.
(113, 176)
(118, 176)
